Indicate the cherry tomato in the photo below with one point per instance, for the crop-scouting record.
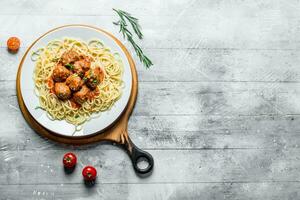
(89, 173)
(13, 44)
(69, 160)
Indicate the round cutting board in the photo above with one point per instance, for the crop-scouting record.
(116, 132)
(97, 122)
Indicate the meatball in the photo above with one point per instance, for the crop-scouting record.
(84, 63)
(62, 91)
(74, 82)
(69, 57)
(81, 96)
(60, 73)
(93, 77)
(78, 70)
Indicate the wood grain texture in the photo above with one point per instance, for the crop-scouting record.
(265, 30)
(219, 110)
(172, 166)
(178, 132)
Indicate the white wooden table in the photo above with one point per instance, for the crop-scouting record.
(219, 110)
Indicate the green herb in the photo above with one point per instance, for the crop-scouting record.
(95, 81)
(69, 66)
(39, 107)
(85, 78)
(132, 20)
(128, 35)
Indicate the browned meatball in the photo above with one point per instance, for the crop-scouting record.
(81, 96)
(78, 70)
(60, 73)
(69, 57)
(62, 91)
(93, 77)
(74, 82)
(84, 63)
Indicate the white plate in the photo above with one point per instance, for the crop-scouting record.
(61, 127)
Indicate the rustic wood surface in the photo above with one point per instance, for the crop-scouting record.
(219, 110)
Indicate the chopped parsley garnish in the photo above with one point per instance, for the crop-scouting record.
(69, 66)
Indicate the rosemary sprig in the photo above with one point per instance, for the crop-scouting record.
(128, 35)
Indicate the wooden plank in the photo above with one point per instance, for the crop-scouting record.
(200, 98)
(175, 132)
(206, 132)
(208, 65)
(151, 8)
(171, 166)
(207, 30)
(96, 7)
(218, 65)
(192, 191)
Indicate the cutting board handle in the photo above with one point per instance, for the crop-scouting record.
(138, 156)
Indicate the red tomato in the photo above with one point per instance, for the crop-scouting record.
(13, 44)
(69, 160)
(89, 173)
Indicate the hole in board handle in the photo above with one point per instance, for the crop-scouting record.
(142, 163)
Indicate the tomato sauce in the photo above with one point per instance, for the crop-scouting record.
(92, 94)
(50, 84)
(74, 104)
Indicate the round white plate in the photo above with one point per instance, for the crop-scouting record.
(62, 127)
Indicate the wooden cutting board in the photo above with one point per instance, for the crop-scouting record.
(116, 133)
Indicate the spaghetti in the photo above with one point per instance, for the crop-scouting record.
(108, 91)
